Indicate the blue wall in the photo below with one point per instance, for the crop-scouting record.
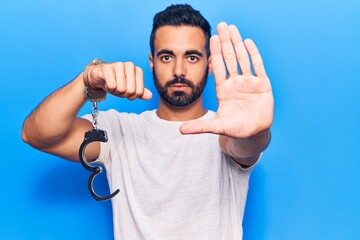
(307, 185)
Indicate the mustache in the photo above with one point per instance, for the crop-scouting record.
(179, 80)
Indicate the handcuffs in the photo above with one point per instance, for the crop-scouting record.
(94, 135)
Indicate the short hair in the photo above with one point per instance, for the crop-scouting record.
(181, 15)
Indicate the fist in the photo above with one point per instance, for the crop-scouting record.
(122, 79)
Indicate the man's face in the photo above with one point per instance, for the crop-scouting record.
(179, 65)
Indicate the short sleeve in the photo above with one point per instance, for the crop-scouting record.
(104, 146)
(240, 168)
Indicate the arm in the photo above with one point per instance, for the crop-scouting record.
(245, 151)
(245, 100)
(53, 127)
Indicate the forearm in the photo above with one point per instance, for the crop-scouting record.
(245, 151)
(53, 118)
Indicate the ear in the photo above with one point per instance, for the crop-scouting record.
(151, 61)
(209, 62)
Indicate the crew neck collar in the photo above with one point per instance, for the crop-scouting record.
(167, 123)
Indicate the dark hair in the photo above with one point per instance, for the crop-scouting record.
(180, 15)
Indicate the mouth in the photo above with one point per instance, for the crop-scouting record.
(179, 87)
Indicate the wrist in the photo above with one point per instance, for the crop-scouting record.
(86, 71)
(91, 93)
(245, 147)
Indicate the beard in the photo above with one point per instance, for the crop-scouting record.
(180, 99)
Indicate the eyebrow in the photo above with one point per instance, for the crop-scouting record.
(164, 51)
(193, 52)
(188, 52)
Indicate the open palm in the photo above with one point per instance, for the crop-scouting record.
(245, 100)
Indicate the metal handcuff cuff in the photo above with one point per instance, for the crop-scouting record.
(94, 135)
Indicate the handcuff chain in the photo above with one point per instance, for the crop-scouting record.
(94, 114)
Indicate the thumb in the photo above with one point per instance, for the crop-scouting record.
(147, 94)
(198, 126)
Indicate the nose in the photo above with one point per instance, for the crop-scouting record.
(179, 68)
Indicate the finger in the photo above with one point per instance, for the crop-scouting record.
(94, 77)
(240, 50)
(217, 64)
(227, 49)
(120, 78)
(200, 126)
(139, 79)
(130, 79)
(256, 59)
(142, 92)
(108, 76)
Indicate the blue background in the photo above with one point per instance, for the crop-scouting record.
(307, 185)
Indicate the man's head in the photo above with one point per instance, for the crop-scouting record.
(180, 15)
(179, 56)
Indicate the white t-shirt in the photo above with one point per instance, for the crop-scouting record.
(172, 186)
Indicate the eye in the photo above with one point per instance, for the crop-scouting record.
(192, 59)
(166, 58)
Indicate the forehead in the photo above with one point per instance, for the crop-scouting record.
(179, 38)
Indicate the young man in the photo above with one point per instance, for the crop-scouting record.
(182, 170)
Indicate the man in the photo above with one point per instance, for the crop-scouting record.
(175, 182)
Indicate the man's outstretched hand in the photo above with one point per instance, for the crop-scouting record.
(245, 99)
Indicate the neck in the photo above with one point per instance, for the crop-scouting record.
(193, 111)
